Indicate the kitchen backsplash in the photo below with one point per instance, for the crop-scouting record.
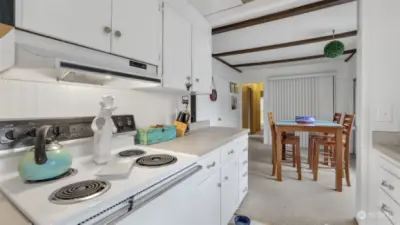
(22, 99)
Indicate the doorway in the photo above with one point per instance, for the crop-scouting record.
(252, 107)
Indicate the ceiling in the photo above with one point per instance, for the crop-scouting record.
(341, 18)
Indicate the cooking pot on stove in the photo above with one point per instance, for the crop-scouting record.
(48, 159)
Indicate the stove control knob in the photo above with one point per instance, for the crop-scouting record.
(10, 135)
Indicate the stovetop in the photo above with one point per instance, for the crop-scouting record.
(27, 197)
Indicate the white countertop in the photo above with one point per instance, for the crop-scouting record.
(388, 143)
(202, 141)
(9, 214)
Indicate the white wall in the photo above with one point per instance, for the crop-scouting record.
(208, 110)
(22, 99)
(377, 80)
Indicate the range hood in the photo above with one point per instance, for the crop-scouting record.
(29, 56)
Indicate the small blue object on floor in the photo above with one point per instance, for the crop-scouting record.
(242, 220)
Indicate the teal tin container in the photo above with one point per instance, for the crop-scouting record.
(149, 136)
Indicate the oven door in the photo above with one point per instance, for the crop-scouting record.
(168, 202)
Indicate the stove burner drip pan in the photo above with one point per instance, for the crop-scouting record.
(156, 160)
(80, 191)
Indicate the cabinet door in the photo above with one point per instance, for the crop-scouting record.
(202, 60)
(230, 192)
(137, 29)
(209, 201)
(177, 66)
(86, 22)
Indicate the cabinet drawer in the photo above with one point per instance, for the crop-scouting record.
(389, 208)
(211, 163)
(243, 166)
(243, 142)
(390, 184)
(228, 153)
(393, 169)
(243, 190)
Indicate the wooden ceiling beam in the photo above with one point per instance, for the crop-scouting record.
(287, 44)
(227, 64)
(351, 56)
(289, 60)
(281, 15)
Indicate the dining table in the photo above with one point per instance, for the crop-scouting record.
(319, 126)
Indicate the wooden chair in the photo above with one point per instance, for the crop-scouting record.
(330, 143)
(286, 140)
(337, 117)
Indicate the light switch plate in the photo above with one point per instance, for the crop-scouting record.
(384, 113)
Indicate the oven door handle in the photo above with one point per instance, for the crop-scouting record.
(144, 200)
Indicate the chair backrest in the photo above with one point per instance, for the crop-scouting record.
(347, 126)
(337, 117)
(272, 127)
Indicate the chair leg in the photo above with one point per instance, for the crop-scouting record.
(294, 153)
(347, 165)
(273, 160)
(326, 154)
(310, 152)
(316, 161)
(333, 158)
(283, 152)
(298, 160)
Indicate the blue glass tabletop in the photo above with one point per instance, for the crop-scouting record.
(318, 123)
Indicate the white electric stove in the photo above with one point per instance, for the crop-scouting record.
(90, 194)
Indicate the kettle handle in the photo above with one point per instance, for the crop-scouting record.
(40, 145)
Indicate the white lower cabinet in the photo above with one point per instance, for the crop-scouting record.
(209, 204)
(229, 191)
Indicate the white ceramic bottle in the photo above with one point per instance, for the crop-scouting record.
(103, 128)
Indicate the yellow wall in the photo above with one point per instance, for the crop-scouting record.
(254, 104)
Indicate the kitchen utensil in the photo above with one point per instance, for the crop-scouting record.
(214, 94)
(48, 159)
(117, 169)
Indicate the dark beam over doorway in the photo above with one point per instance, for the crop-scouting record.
(287, 44)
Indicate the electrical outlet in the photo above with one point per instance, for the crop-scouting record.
(384, 113)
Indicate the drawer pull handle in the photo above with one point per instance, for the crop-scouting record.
(245, 174)
(219, 185)
(385, 208)
(245, 150)
(211, 165)
(231, 152)
(226, 178)
(245, 162)
(389, 186)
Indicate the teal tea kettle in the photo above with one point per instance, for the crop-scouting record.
(48, 159)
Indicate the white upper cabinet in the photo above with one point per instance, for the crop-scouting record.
(87, 22)
(201, 51)
(177, 54)
(137, 29)
(202, 61)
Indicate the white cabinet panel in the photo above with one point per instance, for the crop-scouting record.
(229, 192)
(209, 204)
(80, 22)
(177, 54)
(137, 29)
(202, 59)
